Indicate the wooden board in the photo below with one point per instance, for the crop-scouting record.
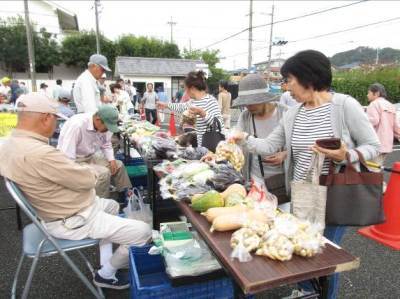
(262, 273)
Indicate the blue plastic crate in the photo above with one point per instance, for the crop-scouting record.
(134, 161)
(149, 280)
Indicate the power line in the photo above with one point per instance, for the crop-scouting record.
(323, 35)
(345, 30)
(285, 20)
(309, 14)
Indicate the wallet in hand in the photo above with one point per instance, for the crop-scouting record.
(329, 143)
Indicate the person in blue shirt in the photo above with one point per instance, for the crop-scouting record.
(64, 97)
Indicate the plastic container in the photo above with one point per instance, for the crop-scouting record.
(136, 170)
(149, 280)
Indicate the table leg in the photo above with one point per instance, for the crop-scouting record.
(237, 291)
(156, 221)
(324, 284)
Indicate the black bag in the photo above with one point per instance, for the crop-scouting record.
(276, 183)
(213, 135)
(353, 198)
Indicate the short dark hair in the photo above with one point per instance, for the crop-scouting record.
(119, 80)
(196, 80)
(114, 86)
(58, 81)
(377, 87)
(224, 84)
(311, 68)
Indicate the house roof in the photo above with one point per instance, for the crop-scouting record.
(145, 66)
(272, 60)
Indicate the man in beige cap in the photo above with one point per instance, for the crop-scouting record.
(86, 91)
(63, 192)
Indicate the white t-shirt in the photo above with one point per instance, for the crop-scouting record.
(86, 93)
(287, 99)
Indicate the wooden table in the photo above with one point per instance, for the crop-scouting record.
(262, 273)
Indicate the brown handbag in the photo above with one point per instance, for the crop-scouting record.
(353, 198)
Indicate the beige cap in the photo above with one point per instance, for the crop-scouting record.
(38, 102)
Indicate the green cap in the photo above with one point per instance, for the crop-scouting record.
(109, 115)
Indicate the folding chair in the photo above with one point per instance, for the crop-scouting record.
(37, 242)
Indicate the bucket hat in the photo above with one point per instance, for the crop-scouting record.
(253, 89)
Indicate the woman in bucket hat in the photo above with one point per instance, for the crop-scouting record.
(261, 117)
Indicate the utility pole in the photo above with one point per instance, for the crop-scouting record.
(377, 56)
(171, 23)
(96, 11)
(270, 43)
(190, 45)
(31, 49)
(249, 61)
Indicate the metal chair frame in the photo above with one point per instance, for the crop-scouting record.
(32, 215)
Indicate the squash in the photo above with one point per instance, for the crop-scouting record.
(235, 188)
(213, 213)
(196, 197)
(235, 221)
(210, 199)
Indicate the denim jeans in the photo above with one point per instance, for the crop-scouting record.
(151, 115)
(334, 234)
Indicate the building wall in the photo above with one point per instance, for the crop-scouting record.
(41, 14)
(67, 74)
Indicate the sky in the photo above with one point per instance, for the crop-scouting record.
(201, 23)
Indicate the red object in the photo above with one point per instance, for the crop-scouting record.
(388, 233)
(142, 114)
(158, 119)
(172, 128)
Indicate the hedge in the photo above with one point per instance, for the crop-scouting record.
(356, 82)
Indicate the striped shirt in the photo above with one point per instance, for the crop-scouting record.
(310, 125)
(210, 106)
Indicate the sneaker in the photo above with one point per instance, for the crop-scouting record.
(120, 282)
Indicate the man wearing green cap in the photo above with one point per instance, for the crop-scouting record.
(86, 138)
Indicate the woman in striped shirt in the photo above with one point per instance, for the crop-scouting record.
(203, 105)
(323, 114)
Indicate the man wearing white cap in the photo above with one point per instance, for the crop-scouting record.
(86, 92)
(63, 192)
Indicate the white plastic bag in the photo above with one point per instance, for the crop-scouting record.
(137, 209)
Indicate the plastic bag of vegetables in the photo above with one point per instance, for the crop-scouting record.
(225, 175)
(276, 246)
(230, 152)
(244, 241)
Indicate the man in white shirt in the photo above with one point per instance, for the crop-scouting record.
(83, 135)
(57, 89)
(149, 102)
(86, 92)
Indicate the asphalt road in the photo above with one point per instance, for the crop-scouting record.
(378, 276)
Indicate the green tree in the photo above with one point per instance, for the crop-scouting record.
(47, 51)
(130, 45)
(14, 52)
(356, 82)
(78, 47)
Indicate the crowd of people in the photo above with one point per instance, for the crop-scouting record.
(70, 185)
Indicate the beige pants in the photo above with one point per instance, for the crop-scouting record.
(98, 221)
(102, 168)
(227, 120)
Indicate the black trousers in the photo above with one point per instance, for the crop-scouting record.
(151, 115)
